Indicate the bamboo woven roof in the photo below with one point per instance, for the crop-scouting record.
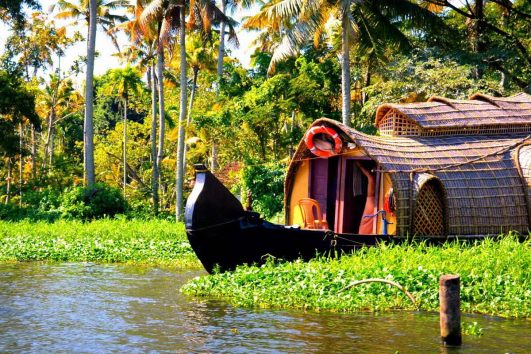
(479, 110)
(486, 193)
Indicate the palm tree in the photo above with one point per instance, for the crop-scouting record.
(88, 128)
(165, 16)
(200, 56)
(156, 21)
(105, 18)
(142, 52)
(170, 15)
(179, 173)
(58, 97)
(93, 11)
(230, 5)
(361, 21)
(122, 83)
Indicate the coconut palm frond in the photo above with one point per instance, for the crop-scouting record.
(380, 31)
(273, 14)
(325, 17)
(63, 15)
(417, 15)
(151, 13)
(117, 4)
(433, 7)
(292, 40)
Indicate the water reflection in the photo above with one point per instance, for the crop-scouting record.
(101, 308)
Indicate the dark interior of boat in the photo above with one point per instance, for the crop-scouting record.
(339, 183)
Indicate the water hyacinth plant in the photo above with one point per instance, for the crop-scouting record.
(495, 279)
(154, 242)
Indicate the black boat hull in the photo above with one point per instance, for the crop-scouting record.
(247, 241)
(224, 236)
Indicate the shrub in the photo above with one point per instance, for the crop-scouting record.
(12, 212)
(43, 201)
(266, 182)
(90, 203)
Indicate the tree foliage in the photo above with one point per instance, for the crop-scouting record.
(17, 103)
(248, 120)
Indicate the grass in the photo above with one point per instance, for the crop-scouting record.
(154, 242)
(495, 279)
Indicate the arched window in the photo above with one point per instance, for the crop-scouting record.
(429, 214)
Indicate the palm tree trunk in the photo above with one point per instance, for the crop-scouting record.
(51, 147)
(88, 129)
(221, 55)
(49, 137)
(125, 143)
(192, 95)
(9, 177)
(21, 162)
(189, 113)
(292, 125)
(221, 52)
(345, 70)
(155, 171)
(33, 153)
(179, 178)
(214, 156)
(160, 73)
(366, 82)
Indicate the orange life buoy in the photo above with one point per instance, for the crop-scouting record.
(308, 139)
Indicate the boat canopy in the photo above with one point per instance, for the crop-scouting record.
(482, 175)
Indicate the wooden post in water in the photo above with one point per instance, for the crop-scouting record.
(450, 313)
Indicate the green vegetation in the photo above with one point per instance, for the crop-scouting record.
(137, 130)
(495, 279)
(81, 203)
(267, 185)
(472, 329)
(157, 242)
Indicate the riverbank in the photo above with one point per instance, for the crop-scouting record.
(151, 242)
(495, 280)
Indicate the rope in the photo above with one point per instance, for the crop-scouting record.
(218, 224)
(378, 280)
(354, 243)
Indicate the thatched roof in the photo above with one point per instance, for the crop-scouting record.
(479, 111)
(485, 192)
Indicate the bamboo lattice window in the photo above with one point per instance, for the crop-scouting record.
(428, 219)
(395, 123)
(481, 129)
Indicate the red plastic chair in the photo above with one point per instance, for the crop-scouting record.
(311, 214)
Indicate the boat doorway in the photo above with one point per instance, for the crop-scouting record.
(340, 188)
(353, 194)
(323, 186)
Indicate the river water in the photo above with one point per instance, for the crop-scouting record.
(94, 308)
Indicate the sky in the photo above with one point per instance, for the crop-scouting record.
(105, 48)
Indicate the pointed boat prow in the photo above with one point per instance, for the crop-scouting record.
(210, 203)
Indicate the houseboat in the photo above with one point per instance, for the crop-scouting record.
(439, 169)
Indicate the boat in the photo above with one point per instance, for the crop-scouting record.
(224, 235)
(439, 169)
